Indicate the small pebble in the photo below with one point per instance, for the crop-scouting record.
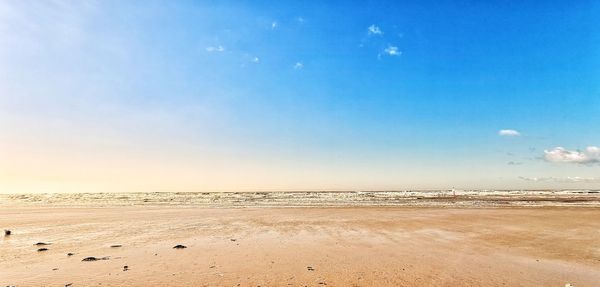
(42, 249)
(179, 246)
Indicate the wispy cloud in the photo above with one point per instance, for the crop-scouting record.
(509, 133)
(514, 163)
(298, 66)
(568, 179)
(211, 49)
(562, 155)
(392, 51)
(255, 60)
(376, 39)
(274, 25)
(374, 30)
(300, 20)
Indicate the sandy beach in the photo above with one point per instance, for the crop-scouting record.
(299, 143)
(300, 246)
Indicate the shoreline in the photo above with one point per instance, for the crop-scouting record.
(462, 199)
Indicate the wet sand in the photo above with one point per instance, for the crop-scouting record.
(317, 246)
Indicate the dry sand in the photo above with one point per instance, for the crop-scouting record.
(361, 246)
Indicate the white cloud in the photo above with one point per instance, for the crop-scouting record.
(300, 20)
(255, 60)
(274, 25)
(392, 51)
(560, 154)
(509, 133)
(593, 151)
(374, 30)
(215, 49)
(298, 65)
(568, 179)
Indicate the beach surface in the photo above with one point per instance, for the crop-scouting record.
(299, 246)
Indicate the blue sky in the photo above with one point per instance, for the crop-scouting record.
(250, 95)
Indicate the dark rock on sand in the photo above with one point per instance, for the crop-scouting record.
(70, 254)
(94, 258)
(310, 268)
(125, 268)
(179, 246)
(7, 232)
(116, 246)
(42, 244)
(42, 249)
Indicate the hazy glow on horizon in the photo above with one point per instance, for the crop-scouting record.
(223, 96)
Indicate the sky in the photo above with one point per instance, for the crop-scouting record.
(145, 96)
